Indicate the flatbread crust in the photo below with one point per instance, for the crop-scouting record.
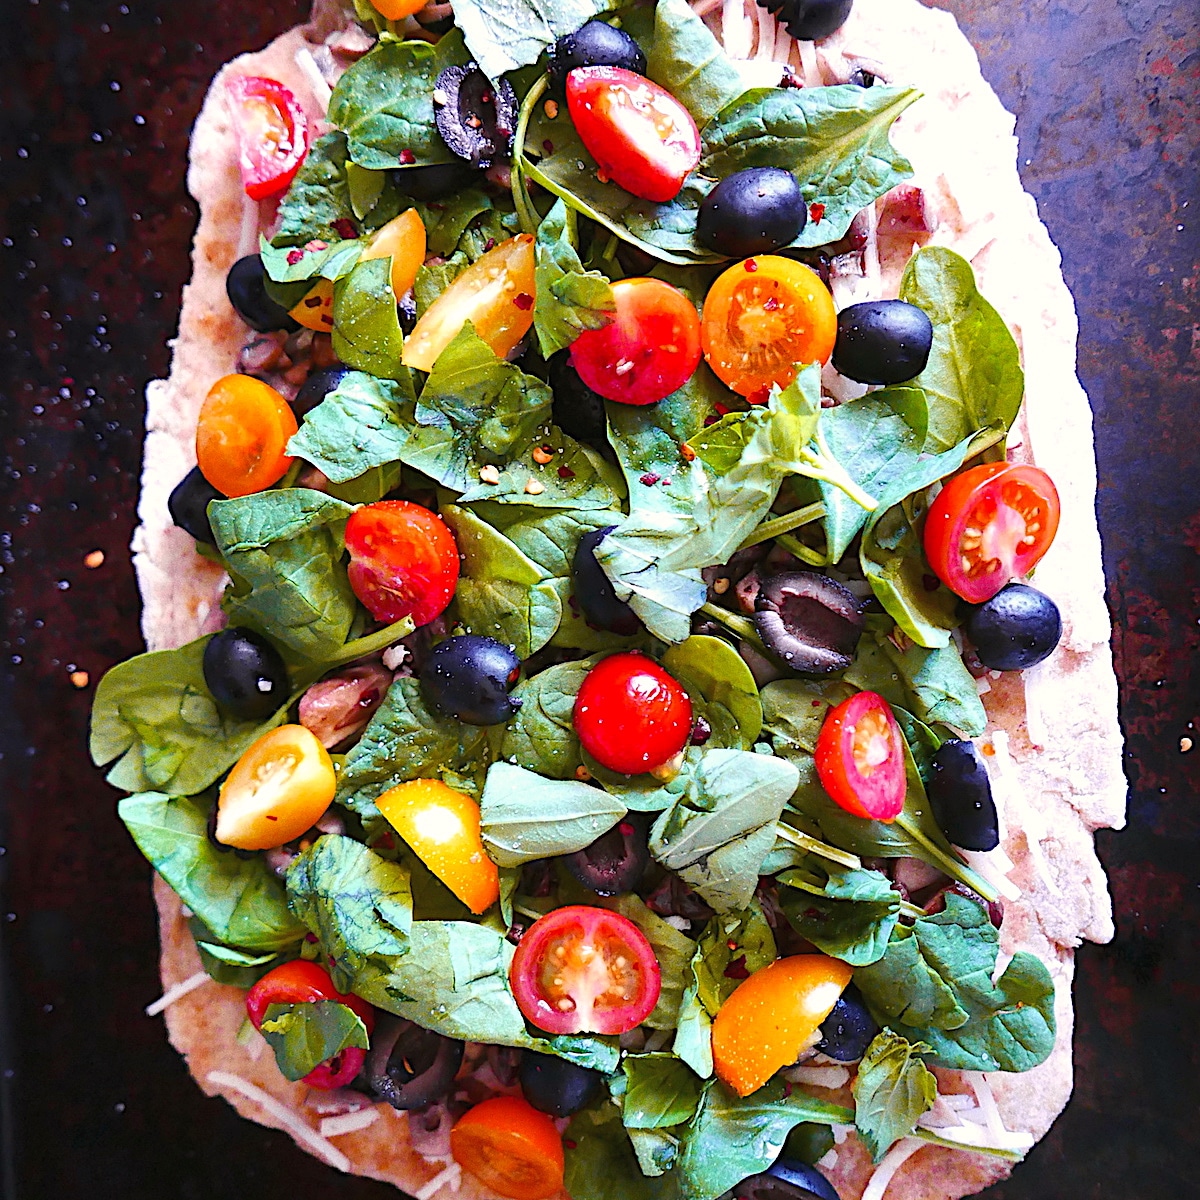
(1060, 718)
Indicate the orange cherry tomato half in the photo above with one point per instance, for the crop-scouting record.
(510, 1147)
(397, 10)
(304, 982)
(277, 790)
(860, 757)
(242, 435)
(272, 132)
(585, 970)
(402, 240)
(496, 294)
(641, 137)
(989, 525)
(774, 1015)
(764, 317)
(441, 826)
(403, 560)
(648, 350)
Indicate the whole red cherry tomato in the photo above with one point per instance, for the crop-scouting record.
(630, 715)
(585, 970)
(990, 525)
(641, 137)
(860, 757)
(403, 560)
(304, 982)
(511, 1147)
(273, 134)
(648, 350)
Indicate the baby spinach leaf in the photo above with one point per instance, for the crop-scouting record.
(689, 62)
(848, 914)
(973, 378)
(291, 265)
(541, 736)
(656, 1151)
(673, 950)
(732, 946)
(569, 299)
(305, 1035)
(710, 667)
(319, 197)
(660, 1092)
(235, 958)
(645, 793)
(238, 899)
(600, 1163)
(366, 324)
(446, 220)
(892, 1090)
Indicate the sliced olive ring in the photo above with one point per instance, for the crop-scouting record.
(809, 621)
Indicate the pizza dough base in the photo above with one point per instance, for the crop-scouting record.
(1060, 717)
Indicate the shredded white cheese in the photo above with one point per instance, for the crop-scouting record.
(174, 993)
(735, 29)
(982, 686)
(828, 1160)
(394, 656)
(977, 1137)
(1031, 822)
(841, 1133)
(957, 1101)
(1035, 725)
(448, 1175)
(822, 1077)
(291, 1122)
(320, 89)
(893, 1160)
(982, 863)
(987, 1101)
(1003, 958)
(349, 1122)
(766, 35)
(248, 233)
(812, 68)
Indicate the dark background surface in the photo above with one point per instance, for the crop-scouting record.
(96, 100)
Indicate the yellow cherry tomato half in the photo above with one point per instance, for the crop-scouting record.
(277, 790)
(442, 828)
(315, 311)
(495, 294)
(402, 240)
(761, 318)
(242, 434)
(774, 1015)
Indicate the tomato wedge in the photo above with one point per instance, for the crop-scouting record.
(273, 134)
(990, 525)
(762, 318)
(585, 970)
(860, 757)
(641, 137)
(242, 435)
(510, 1147)
(647, 351)
(402, 240)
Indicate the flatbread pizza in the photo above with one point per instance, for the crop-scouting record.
(759, 861)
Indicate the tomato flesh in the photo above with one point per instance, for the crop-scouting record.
(763, 319)
(773, 1016)
(510, 1147)
(402, 240)
(630, 715)
(860, 757)
(641, 137)
(990, 525)
(585, 970)
(304, 982)
(242, 434)
(403, 560)
(273, 134)
(442, 828)
(648, 350)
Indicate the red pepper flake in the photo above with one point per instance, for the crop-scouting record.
(312, 301)
(787, 1089)
(565, 473)
(650, 479)
(626, 830)
(316, 245)
(772, 304)
(930, 583)
(750, 265)
(311, 939)
(570, 1145)
(711, 419)
(407, 158)
(737, 969)
(294, 256)
(345, 228)
(270, 817)
(816, 704)
(731, 944)
(722, 409)
(489, 244)
(326, 319)
(548, 146)
(816, 212)
(759, 397)
(523, 300)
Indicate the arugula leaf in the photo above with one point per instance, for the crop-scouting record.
(319, 197)
(541, 735)
(305, 1035)
(973, 378)
(600, 1163)
(525, 817)
(892, 1090)
(687, 60)
(366, 324)
(660, 1091)
(503, 35)
(568, 298)
(356, 902)
(238, 899)
(848, 914)
(710, 667)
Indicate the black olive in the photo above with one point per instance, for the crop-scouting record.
(882, 341)
(188, 505)
(863, 78)
(786, 1179)
(468, 676)
(434, 182)
(808, 20)
(960, 795)
(245, 673)
(751, 212)
(1017, 628)
(616, 861)
(594, 592)
(316, 387)
(809, 621)
(475, 116)
(595, 44)
(847, 1031)
(555, 1086)
(673, 898)
(577, 411)
(245, 285)
(634, 260)
(408, 1066)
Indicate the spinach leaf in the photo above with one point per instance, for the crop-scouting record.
(892, 1090)
(292, 264)
(600, 1162)
(848, 914)
(446, 220)
(732, 946)
(356, 902)
(366, 324)
(503, 35)
(673, 950)
(645, 793)
(525, 817)
(318, 200)
(569, 299)
(660, 1092)
(238, 899)
(235, 958)
(541, 736)
(656, 1151)
(973, 378)
(689, 62)
(305, 1035)
(710, 667)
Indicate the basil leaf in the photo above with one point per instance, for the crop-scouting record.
(688, 61)
(892, 1090)
(848, 914)
(710, 667)
(569, 299)
(238, 899)
(366, 324)
(660, 1092)
(541, 735)
(305, 1035)
(600, 1163)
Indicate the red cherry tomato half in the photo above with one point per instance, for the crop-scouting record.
(630, 715)
(510, 1147)
(647, 351)
(403, 560)
(641, 137)
(860, 757)
(273, 134)
(989, 525)
(304, 982)
(585, 970)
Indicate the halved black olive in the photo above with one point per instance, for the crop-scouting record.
(408, 1066)
(809, 621)
(960, 794)
(786, 1179)
(434, 182)
(616, 860)
(475, 116)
